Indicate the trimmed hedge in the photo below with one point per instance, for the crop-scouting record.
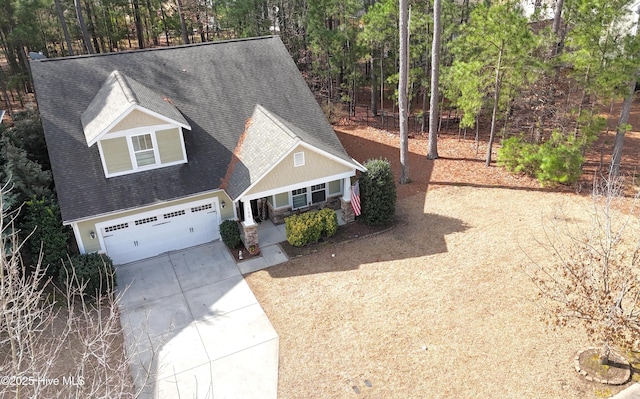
(96, 270)
(230, 233)
(329, 221)
(377, 192)
(309, 227)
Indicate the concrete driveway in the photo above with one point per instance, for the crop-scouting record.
(195, 328)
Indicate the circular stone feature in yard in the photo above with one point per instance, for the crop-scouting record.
(616, 372)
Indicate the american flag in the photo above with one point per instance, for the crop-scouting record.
(355, 198)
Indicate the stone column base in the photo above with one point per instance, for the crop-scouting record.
(347, 211)
(249, 234)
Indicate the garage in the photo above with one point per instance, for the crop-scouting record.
(151, 233)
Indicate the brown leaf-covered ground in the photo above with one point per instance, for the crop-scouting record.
(440, 306)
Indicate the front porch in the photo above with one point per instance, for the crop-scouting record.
(268, 233)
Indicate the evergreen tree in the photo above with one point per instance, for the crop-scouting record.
(493, 55)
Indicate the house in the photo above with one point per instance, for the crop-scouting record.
(151, 149)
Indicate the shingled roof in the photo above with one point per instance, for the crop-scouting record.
(215, 86)
(118, 95)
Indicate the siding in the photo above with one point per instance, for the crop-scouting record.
(116, 154)
(316, 166)
(137, 119)
(169, 145)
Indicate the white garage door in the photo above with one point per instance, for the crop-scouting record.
(152, 233)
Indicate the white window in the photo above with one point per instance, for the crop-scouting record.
(299, 198)
(143, 150)
(318, 193)
(298, 159)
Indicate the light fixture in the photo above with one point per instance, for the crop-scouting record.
(93, 235)
(223, 204)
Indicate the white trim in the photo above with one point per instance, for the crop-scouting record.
(136, 131)
(149, 167)
(353, 162)
(128, 135)
(154, 149)
(76, 233)
(306, 197)
(355, 165)
(99, 226)
(298, 159)
(292, 187)
(310, 198)
(346, 189)
(184, 149)
(141, 208)
(126, 112)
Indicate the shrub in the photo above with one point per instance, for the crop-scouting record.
(377, 192)
(230, 233)
(329, 221)
(303, 229)
(95, 270)
(558, 160)
(308, 227)
(42, 217)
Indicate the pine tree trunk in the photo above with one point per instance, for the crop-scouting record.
(622, 128)
(183, 24)
(83, 28)
(138, 23)
(496, 100)
(557, 19)
(402, 92)
(374, 89)
(65, 30)
(435, 79)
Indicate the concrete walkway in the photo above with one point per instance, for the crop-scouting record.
(195, 328)
(631, 392)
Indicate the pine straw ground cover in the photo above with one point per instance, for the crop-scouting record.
(440, 305)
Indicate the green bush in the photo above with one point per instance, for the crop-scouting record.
(309, 227)
(558, 160)
(95, 270)
(329, 221)
(230, 233)
(377, 192)
(50, 237)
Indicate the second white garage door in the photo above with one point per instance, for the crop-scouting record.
(152, 233)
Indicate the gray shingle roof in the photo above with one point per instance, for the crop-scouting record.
(267, 139)
(117, 95)
(215, 86)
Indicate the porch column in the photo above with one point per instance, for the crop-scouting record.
(345, 202)
(346, 183)
(248, 215)
(249, 234)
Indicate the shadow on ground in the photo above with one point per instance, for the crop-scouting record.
(351, 254)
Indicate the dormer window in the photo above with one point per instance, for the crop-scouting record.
(134, 127)
(143, 150)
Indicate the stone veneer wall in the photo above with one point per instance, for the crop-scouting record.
(249, 235)
(347, 211)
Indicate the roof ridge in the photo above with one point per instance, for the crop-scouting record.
(127, 90)
(144, 50)
(278, 120)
